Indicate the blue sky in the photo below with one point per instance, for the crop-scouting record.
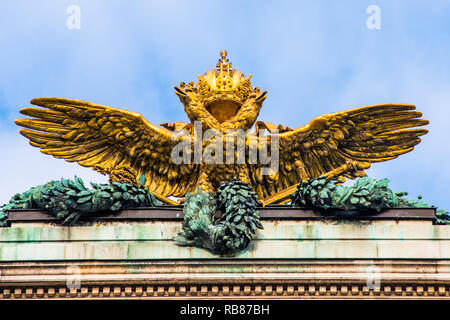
(313, 57)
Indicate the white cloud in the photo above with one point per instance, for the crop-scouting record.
(24, 167)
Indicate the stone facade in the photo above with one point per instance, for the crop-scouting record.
(298, 255)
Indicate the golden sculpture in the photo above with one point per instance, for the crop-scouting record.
(124, 145)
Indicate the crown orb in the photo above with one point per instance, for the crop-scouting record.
(223, 54)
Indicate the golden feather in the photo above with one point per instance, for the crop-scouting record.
(95, 136)
(343, 143)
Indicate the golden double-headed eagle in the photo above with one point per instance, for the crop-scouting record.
(124, 145)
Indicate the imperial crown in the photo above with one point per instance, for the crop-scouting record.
(223, 89)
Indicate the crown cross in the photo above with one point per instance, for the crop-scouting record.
(224, 81)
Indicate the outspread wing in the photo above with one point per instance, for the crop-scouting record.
(342, 143)
(110, 140)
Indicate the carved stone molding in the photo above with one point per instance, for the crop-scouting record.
(305, 291)
(298, 255)
(227, 279)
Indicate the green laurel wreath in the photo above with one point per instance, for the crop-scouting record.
(69, 199)
(224, 222)
(365, 196)
(229, 231)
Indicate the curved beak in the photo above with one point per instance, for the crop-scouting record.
(262, 96)
(179, 92)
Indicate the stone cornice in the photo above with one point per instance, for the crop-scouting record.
(208, 279)
(298, 255)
